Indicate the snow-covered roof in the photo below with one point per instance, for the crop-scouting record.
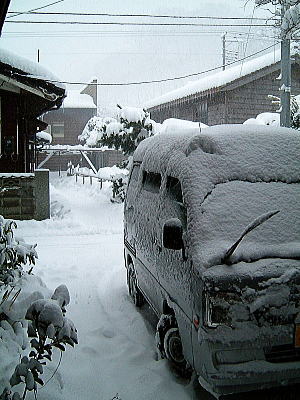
(217, 80)
(27, 67)
(75, 99)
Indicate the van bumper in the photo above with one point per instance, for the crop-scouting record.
(240, 363)
(250, 376)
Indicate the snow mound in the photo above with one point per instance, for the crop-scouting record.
(176, 126)
(266, 118)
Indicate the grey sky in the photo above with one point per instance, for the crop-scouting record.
(122, 54)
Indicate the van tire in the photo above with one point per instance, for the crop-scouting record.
(169, 345)
(133, 290)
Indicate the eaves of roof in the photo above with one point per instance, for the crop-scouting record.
(38, 86)
(241, 81)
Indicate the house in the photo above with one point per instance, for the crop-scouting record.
(67, 123)
(227, 97)
(27, 91)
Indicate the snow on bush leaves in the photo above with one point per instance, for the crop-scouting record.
(26, 313)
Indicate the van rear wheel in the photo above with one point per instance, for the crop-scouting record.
(133, 290)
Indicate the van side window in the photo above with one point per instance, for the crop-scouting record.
(174, 189)
(151, 181)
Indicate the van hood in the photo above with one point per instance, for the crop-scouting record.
(217, 223)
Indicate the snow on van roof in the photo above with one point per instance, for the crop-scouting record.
(217, 80)
(256, 152)
(230, 175)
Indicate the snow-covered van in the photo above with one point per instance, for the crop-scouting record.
(212, 238)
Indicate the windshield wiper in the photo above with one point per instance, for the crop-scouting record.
(258, 221)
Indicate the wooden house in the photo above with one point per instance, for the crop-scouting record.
(227, 97)
(26, 92)
(67, 123)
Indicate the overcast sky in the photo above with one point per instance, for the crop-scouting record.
(75, 53)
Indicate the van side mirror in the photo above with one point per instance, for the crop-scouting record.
(172, 234)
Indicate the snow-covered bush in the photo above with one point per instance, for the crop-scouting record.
(122, 133)
(94, 129)
(31, 324)
(270, 118)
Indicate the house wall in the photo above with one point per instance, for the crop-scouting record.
(74, 120)
(229, 106)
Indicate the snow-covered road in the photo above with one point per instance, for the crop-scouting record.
(116, 352)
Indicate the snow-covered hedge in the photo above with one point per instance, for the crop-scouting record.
(32, 322)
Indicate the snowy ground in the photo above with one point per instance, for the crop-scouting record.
(82, 246)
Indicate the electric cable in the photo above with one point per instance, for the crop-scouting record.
(155, 80)
(16, 13)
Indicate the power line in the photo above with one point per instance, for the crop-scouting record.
(136, 15)
(71, 33)
(136, 23)
(16, 13)
(159, 80)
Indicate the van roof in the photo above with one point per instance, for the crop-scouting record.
(243, 152)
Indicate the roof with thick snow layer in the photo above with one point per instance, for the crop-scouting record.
(217, 80)
(76, 99)
(31, 74)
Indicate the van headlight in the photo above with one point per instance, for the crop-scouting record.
(220, 307)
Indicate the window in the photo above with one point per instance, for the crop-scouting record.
(151, 181)
(58, 130)
(174, 189)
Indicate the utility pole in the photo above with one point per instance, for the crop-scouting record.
(38, 55)
(223, 50)
(285, 94)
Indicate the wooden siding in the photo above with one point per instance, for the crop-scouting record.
(17, 199)
(74, 120)
(232, 104)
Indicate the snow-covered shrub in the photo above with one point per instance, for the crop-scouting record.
(122, 133)
(269, 118)
(14, 252)
(94, 129)
(25, 313)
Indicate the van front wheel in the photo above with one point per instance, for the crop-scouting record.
(134, 291)
(169, 344)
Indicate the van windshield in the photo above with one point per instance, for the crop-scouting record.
(231, 206)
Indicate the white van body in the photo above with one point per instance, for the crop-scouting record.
(237, 314)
